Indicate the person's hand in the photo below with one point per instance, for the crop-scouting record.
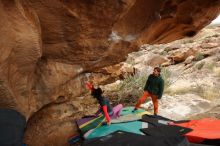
(89, 85)
(170, 123)
(109, 123)
(106, 123)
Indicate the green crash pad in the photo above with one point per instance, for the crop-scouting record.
(128, 110)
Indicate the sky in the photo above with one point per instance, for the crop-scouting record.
(216, 21)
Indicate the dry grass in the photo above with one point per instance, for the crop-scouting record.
(203, 91)
(130, 89)
(177, 90)
(210, 66)
(211, 94)
(216, 71)
(166, 74)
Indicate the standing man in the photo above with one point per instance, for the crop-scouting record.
(153, 88)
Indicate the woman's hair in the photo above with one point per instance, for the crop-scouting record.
(158, 69)
(97, 92)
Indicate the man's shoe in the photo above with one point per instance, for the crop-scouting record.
(134, 110)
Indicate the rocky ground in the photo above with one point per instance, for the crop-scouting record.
(191, 70)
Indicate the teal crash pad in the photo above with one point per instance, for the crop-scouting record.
(131, 126)
(107, 129)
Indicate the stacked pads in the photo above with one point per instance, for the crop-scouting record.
(140, 128)
(12, 127)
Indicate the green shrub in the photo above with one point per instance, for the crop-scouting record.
(210, 66)
(163, 53)
(215, 35)
(187, 41)
(200, 65)
(131, 88)
(167, 49)
(133, 84)
(199, 56)
(165, 73)
(190, 41)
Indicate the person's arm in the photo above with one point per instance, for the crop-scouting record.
(161, 88)
(90, 86)
(104, 108)
(98, 111)
(147, 83)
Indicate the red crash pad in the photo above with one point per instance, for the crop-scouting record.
(202, 129)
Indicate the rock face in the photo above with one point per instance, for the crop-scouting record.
(47, 46)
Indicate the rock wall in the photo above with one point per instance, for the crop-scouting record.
(47, 45)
